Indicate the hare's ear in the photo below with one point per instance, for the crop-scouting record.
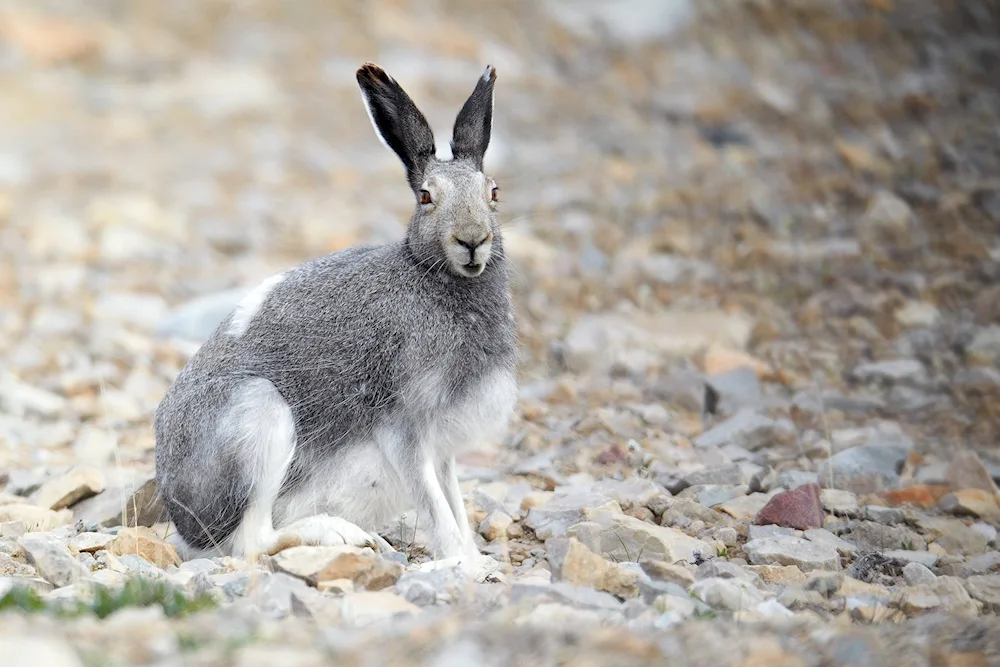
(471, 136)
(397, 120)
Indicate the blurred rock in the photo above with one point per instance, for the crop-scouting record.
(642, 340)
(65, 491)
(798, 508)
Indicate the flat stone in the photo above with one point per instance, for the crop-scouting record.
(630, 492)
(966, 471)
(864, 469)
(792, 479)
(972, 502)
(748, 429)
(798, 508)
(562, 592)
(736, 388)
(726, 594)
(435, 587)
(724, 569)
(986, 589)
(730, 475)
(745, 507)
(801, 553)
(869, 536)
(136, 500)
(67, 490)
(925, 558)
(563, 511)
(897, 370)
(689, 510)
(887, 516)
(756, 531)
(711, 495)
(946, 594)
(826, 537)
(33, 518)
(952, 535)
(838, 501)
(915, 574)
(574, 563)
(369, 607)
(662, 571)
(90, 542)
(986, 563)
(625, 538)
(778, 575)
(52, 559)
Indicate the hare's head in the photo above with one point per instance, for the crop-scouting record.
(454, 223)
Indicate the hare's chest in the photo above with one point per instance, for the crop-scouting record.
(478, 415)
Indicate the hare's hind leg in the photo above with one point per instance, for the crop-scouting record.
(263, 430)
(260, 427)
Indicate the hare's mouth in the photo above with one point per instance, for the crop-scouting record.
(472, 269)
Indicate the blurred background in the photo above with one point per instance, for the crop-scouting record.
(810, 187)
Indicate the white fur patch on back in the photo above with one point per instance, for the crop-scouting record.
(248, 308)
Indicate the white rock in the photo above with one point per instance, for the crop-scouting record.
(727, 594)
(915, 574)
(795, 551)
(917, 314)
(368, 607)
(19, 398)
(48, 651)
(494, 526)
(626, 538)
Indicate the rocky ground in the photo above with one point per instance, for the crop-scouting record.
(758, 285)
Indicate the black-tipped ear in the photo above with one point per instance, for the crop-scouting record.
(397, 120)
(471, 136)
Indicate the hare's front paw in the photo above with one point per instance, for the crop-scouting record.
(322, 530)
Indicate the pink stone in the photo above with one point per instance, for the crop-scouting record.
(799, 508)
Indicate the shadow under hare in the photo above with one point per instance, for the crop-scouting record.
(337, 393)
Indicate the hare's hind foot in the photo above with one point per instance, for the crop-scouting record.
(323, 530)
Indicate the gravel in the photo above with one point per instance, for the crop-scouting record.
(741, 268)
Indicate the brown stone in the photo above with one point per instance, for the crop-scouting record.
(367, 571)
(972, 502)
(918, 495)
(798, 508)
(69, 489)
(50, 40)
(145, 544)
(966, 471)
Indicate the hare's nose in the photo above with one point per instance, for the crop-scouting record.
(473, 244)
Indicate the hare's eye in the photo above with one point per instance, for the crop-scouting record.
(425, 197)
(493, 194)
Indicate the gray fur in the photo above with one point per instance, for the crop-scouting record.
(361, 343)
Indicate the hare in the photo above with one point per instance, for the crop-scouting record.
(337, 394)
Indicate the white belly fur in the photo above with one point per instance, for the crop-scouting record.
(360, 485)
